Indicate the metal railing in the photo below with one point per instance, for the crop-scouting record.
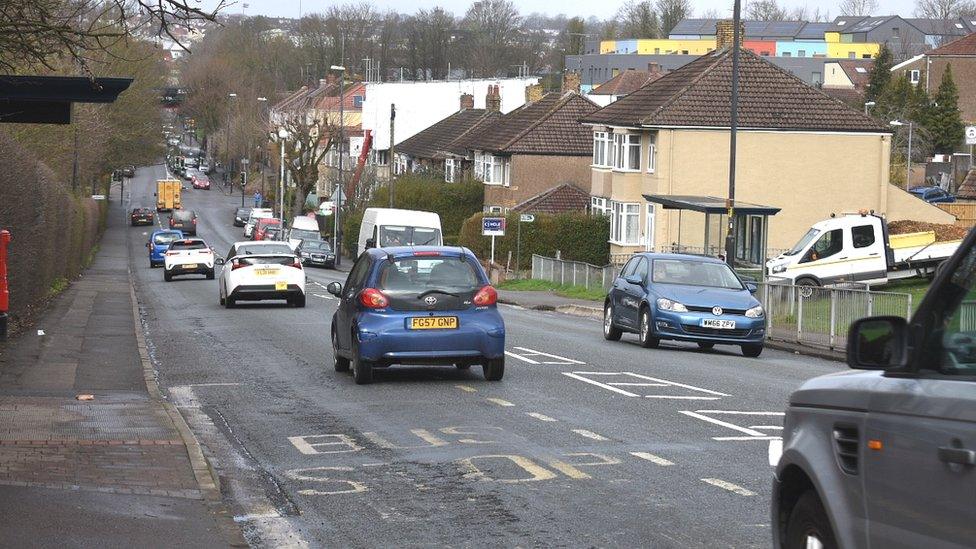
(573, 273)
(821, 316)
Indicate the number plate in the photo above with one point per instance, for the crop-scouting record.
(281, 286)
(719, 324)
(189, 265)
(434, 323)
(265, 272)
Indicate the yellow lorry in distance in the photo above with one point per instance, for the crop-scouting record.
(168, 195)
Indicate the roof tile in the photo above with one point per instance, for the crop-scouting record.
(561, 199)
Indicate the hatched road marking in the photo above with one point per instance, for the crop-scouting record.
(540, 417)
(589, 434)
(467, 389)
(653, 459)
(697, 393)
(539, 357)
(725, 485)
(499, 402)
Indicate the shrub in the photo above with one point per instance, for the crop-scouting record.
(578, 237)
(453, 202)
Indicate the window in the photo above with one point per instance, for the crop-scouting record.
(625, 223)
(649, 228)
(450, 170)
(651, 152)
(914, 76)
(601, 149)
(598, 206)
(490, 169)
(358, 275)
(631, 266)
(829, 244)
(863, 236)
(381, 158)
(493, 209)
(357, 101)
(689, 272)
(787, 54)
(414, 275)
(626, 151)
(852, 55)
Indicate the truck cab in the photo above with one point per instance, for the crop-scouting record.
(885, 455)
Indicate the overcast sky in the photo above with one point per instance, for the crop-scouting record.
(585, 8)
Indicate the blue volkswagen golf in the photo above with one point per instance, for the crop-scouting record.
(684, 298)
(417, 305)
(158, 244)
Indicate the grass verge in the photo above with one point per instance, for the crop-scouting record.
(572, 292)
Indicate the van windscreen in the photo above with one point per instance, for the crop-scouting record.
(398, 235)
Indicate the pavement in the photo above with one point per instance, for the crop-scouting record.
(584, 443)
(87, 442)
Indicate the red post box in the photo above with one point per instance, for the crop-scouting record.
(4, 293)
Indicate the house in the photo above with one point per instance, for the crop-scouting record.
(929, 67)
(905, 37)
(562, 199)
(624, 83)
(436, 149)
(534, 148)
(848, 80)
(799, 151)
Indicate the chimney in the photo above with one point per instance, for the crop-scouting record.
(533, 93)
(571, 82)
(467, 101)
(725, 33)
(493, 100)
(653, 68)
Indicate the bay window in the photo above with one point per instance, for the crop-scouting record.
(598, 206)
(492, 170)
(625, 223)
(601, 150)
(626, 151)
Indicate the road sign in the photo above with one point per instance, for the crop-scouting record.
(493, 226)
(971, 135)
(526, 218)
(98, 197)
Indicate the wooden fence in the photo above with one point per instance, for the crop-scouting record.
(965, 213)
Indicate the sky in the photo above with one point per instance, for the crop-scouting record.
(585, 8)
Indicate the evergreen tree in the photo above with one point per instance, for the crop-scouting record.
(880, 76)
(945, 120)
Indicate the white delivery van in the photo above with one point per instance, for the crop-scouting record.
(858, 248)
(303, 227)
(388, 227)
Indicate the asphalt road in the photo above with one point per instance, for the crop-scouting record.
(584, 443)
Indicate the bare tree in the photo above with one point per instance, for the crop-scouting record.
(493, 28)
(765, 10)
(433, 32)
(309, 139)
(638, 20)
(944, 9)
(671, 12)
(857, 7)
(35, 32)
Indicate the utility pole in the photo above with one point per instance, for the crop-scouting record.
(730, 236)
(340, 188)
(392, 153)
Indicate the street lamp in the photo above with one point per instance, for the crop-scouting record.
(230, 160)
(336, 241)
(282, 136)
(867, 105)
(908, 169)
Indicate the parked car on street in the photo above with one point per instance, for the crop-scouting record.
(188, 256)
(316, 252)
(241, 215)
(142, 216)
(885, 456)
(256, 271)
(262, 225)
(932, 194)
(158, 243)
(256, 214)
(417, 305)
(272, 232)
(129, 171)
(303, 227)
(189, 173)
(200, 181)
(684, 298)
(184, 220)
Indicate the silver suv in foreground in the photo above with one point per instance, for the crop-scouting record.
(885, 456)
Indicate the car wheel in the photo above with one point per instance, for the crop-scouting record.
(806, 286)
(341, 363)
(229, 302)
(299, 301)
(210, 274)
(752, 351)
(703, 345)
(647, 340)
(167, 277)
(362, 370)
(220, 297)
(610, 332)
(808, 525)
(494, 369)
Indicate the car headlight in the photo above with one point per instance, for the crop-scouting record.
(779, 269)
(673, 306)
(756, 312)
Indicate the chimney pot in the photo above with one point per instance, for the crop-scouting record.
(467, 101)
(571, 82)
(725, 33)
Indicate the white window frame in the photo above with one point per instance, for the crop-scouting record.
(602, 151)
(488, 167)
(649, 228)
(493, 209)
(599, 206)
(624, 145)
(625, 218)
(651, 152)
(450, 170)
(914, 76)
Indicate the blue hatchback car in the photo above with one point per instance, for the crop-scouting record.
(158, 244)
(417, 305)
(684, 298)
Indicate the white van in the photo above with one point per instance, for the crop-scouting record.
(302, 228)
(388, 227)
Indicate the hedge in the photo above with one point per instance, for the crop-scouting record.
(577, 236)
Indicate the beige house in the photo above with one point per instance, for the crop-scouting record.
(800, 151)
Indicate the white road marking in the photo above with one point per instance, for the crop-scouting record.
(774, 452)
(752, 432)
(555, 359)
(213, 385)
(772, 427)
(597, 383)
(541, 417)
(254, 516)
(589, 434)
(652, 458)
(626, 384)
(324, 296)
(499, 402)
(305, 445)
(725, 485)
(699, 393)
(678, 397)
(467, 388)
(772, 437)
(520, 357)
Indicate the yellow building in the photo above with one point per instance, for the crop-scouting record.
(852, 50)
(798, 150)
(668, 46)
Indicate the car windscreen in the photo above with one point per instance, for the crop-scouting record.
(183, 215)
(302, 234)
(694, 273)
(399, 235)
(166, 238)
(188, 245)
(316, 246)
(420, 274)
(266, 260)
(804, 242)
(243, 212)
(244, 249)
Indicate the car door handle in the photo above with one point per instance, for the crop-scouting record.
(841, 258)
(961, 456)
(874, 254)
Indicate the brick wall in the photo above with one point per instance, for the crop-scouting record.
(532, 175)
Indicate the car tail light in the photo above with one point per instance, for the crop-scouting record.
(485, 296)
(234, 265)
(194, 221)
(427, 253)
(172, 253)
(171, 222)
(297, 264)
(373, 298)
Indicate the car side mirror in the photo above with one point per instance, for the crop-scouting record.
(370, 243)
(334, 288)
(149, 244)
(878, 343)
(634, 279)
(219, 261)
(752, 287)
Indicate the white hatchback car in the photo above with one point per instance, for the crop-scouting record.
(188, 256)
(255, 271)
(256, 213)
